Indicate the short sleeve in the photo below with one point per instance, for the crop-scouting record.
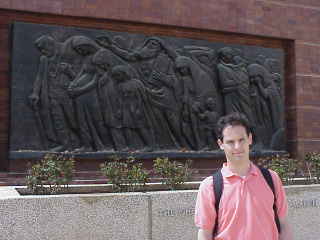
(282, 205)
(205, 213)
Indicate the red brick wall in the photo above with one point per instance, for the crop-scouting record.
(291, 24)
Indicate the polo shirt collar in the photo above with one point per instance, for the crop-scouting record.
(226, 172)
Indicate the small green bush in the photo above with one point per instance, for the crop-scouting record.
(283, 165)
(172, 173)
(51, 175)
(125, 175)
(312, 161)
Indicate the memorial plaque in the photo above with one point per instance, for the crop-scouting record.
(97, 91)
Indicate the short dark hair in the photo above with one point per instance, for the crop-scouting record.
(232, 119)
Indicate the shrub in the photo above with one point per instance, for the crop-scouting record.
(172, 173)
(312, 161)
(125, 175)
(51, 175)
(283, 165)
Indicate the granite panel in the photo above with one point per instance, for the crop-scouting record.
(81, 217)
(304, 211)
(173, 215)
(126, 216)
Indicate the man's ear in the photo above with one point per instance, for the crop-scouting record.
(220, 143)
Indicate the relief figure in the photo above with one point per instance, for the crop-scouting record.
(195, 85)
(134, 111)
(234, 83)
(260, 108)
(83, 89)
(50, 100)
(152, 56)
(109, 98)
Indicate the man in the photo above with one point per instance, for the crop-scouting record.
(246, 205)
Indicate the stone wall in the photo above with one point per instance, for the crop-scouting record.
(120, 216)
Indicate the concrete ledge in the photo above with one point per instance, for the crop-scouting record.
(158, 215)
(92, 216)
(107, 188)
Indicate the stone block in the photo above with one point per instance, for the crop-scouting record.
(75, 217)
(142, 216)
(304, 211)
(173, 215)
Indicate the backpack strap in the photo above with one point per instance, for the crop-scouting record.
(267, 176)
(217, 189)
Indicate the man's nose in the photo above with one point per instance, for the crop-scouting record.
(237, 145)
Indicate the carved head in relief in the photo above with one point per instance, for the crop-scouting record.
(210, 104)
(46, 45)
(272, 65)
(120, 73)
(104, 41)
(102, 59)
(226, 54)
(183, 65)
(258, 75)
(145, 69)
(151, 48)
(84, 46)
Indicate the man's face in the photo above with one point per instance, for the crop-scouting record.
(236, 143)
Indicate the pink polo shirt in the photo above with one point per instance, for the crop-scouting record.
(246, 206)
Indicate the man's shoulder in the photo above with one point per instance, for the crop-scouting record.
(274, 175)
(206, 183)
(272, 172)
(207, 180)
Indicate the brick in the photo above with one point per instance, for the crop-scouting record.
(4, 80)
(308, 91)
(300, 3)
(292, 148)
(284, 20)
(290, 91)
(308, 122)
(307, 58)
(310, 145)
(301, 147)
(291, 124)
(5, 3)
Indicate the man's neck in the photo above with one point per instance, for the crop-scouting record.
(240, 168)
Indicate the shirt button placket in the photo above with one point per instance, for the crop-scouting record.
(243, 181)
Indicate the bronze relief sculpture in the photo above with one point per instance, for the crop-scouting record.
(92, 91)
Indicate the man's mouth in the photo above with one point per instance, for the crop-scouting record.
(237, 153)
